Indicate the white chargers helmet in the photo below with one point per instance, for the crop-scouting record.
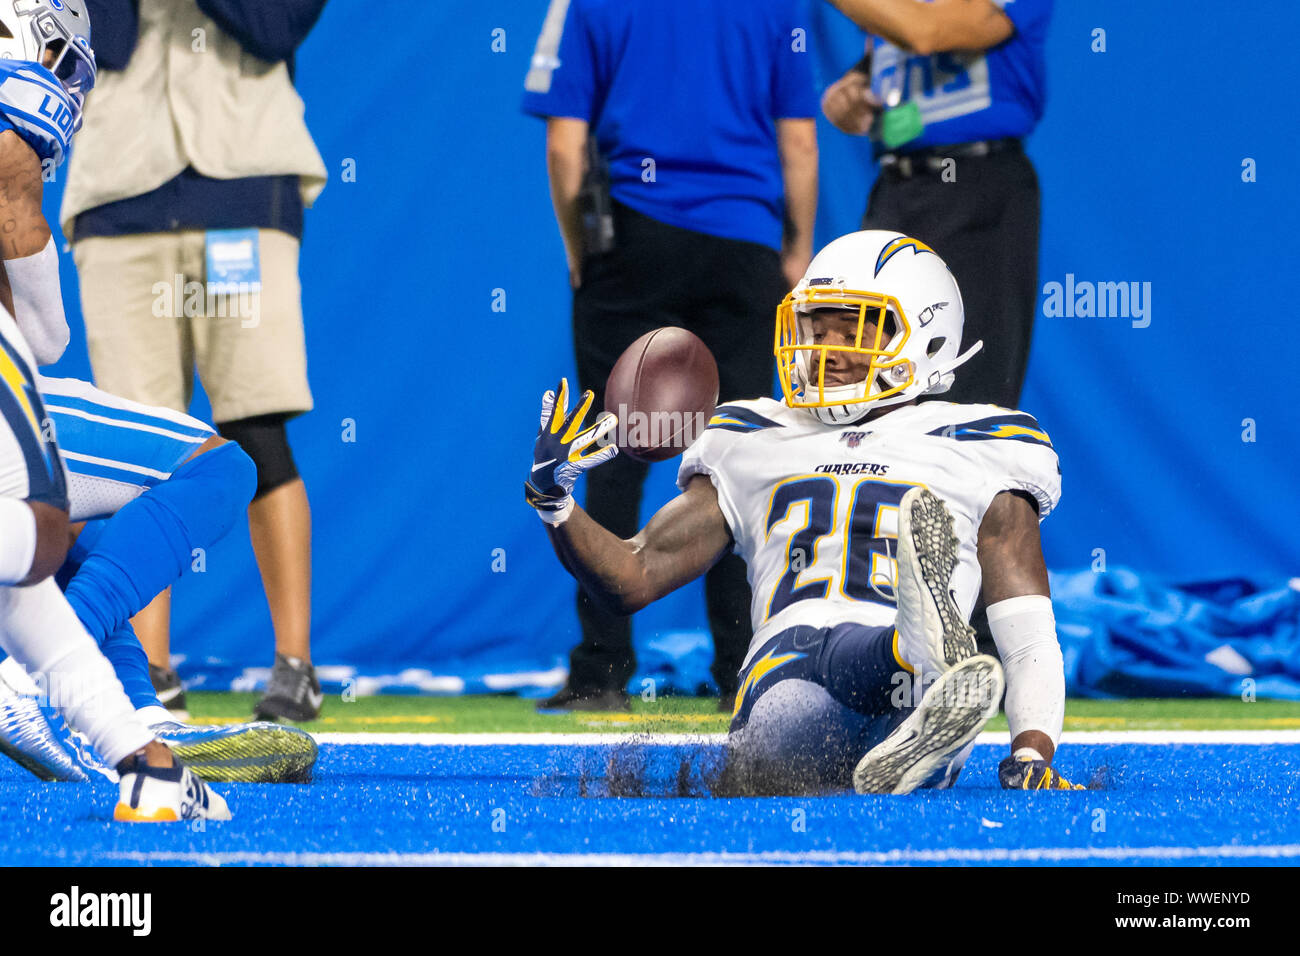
(900, 285)
(29, 29)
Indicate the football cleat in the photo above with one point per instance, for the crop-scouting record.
(1026, 773)
(292, 692)
(921, 750)
(244, 753)
(165, 795)
(932, 634)
(38, 739)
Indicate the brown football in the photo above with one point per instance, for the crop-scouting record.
(663, 390)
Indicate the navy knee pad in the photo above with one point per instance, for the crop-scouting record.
(264, 439)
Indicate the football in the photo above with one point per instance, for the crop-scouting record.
(663, 389)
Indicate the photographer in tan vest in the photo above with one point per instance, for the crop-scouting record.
(184, 206)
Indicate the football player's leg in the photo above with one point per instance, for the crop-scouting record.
(40, 630)
(169, 483)
(844, 696)
(796, 738)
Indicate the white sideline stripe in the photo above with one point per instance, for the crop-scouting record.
(1256, 737)
(1042, 854)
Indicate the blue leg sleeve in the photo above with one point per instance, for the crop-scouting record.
(145, 546)
(123, 650)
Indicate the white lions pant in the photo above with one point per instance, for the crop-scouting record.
(113, 449)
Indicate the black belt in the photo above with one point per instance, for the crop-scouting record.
(931, 158)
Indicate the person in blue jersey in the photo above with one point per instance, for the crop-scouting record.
(169, 482)
(947, 91)
(682, 155)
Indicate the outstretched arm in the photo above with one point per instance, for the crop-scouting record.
(681, 542)
(1020, 617)
(933, 27)
(684, 539)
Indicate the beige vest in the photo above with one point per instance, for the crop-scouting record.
(190, 96)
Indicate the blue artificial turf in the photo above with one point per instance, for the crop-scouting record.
(525, 803)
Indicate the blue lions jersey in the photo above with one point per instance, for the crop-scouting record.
(972, 95)
(35, 106)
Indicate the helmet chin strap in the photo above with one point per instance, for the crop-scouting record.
(940, 372)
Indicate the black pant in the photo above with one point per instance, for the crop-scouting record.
(985, 227)
(726, 292)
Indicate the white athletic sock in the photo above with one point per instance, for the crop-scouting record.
(17, 540)
(40, 629)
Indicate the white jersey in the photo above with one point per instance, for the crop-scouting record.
(813, 508)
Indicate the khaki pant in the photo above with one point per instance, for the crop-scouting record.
(150, 323)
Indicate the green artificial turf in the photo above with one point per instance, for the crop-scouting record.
(502, 714)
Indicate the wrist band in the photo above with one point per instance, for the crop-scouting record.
(558, 515)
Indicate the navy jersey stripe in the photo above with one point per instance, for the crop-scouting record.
(736, 418)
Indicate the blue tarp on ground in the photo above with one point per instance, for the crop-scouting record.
(1128, 636)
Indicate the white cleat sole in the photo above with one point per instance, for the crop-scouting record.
(927, 557)
(949, 717)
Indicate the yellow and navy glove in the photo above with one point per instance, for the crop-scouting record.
(1026, 773)
(564, 450)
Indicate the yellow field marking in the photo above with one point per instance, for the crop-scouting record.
(1178, 723)
(657, 720)
(336, 721)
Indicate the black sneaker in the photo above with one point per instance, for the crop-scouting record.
(570, 699)
(292, 693)
(171, 692)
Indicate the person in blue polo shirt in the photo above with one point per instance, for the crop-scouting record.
(699, 117)
(947, 91)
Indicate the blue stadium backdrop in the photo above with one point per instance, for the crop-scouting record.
(1140, 157)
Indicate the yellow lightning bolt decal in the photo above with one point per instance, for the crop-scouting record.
(895, 245)
(1011, 431)
(18, 385)
(762, 667)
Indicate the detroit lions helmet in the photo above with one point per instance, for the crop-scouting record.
(902, 286)
(29, 29)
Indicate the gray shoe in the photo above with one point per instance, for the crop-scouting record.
(171, 692)
(600, 700)
(292, 693)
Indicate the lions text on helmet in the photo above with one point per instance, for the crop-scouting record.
(875, 321)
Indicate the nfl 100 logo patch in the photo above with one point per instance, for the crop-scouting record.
(853, 439)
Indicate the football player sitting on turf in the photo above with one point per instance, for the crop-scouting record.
(115, 450)
(870, 523)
